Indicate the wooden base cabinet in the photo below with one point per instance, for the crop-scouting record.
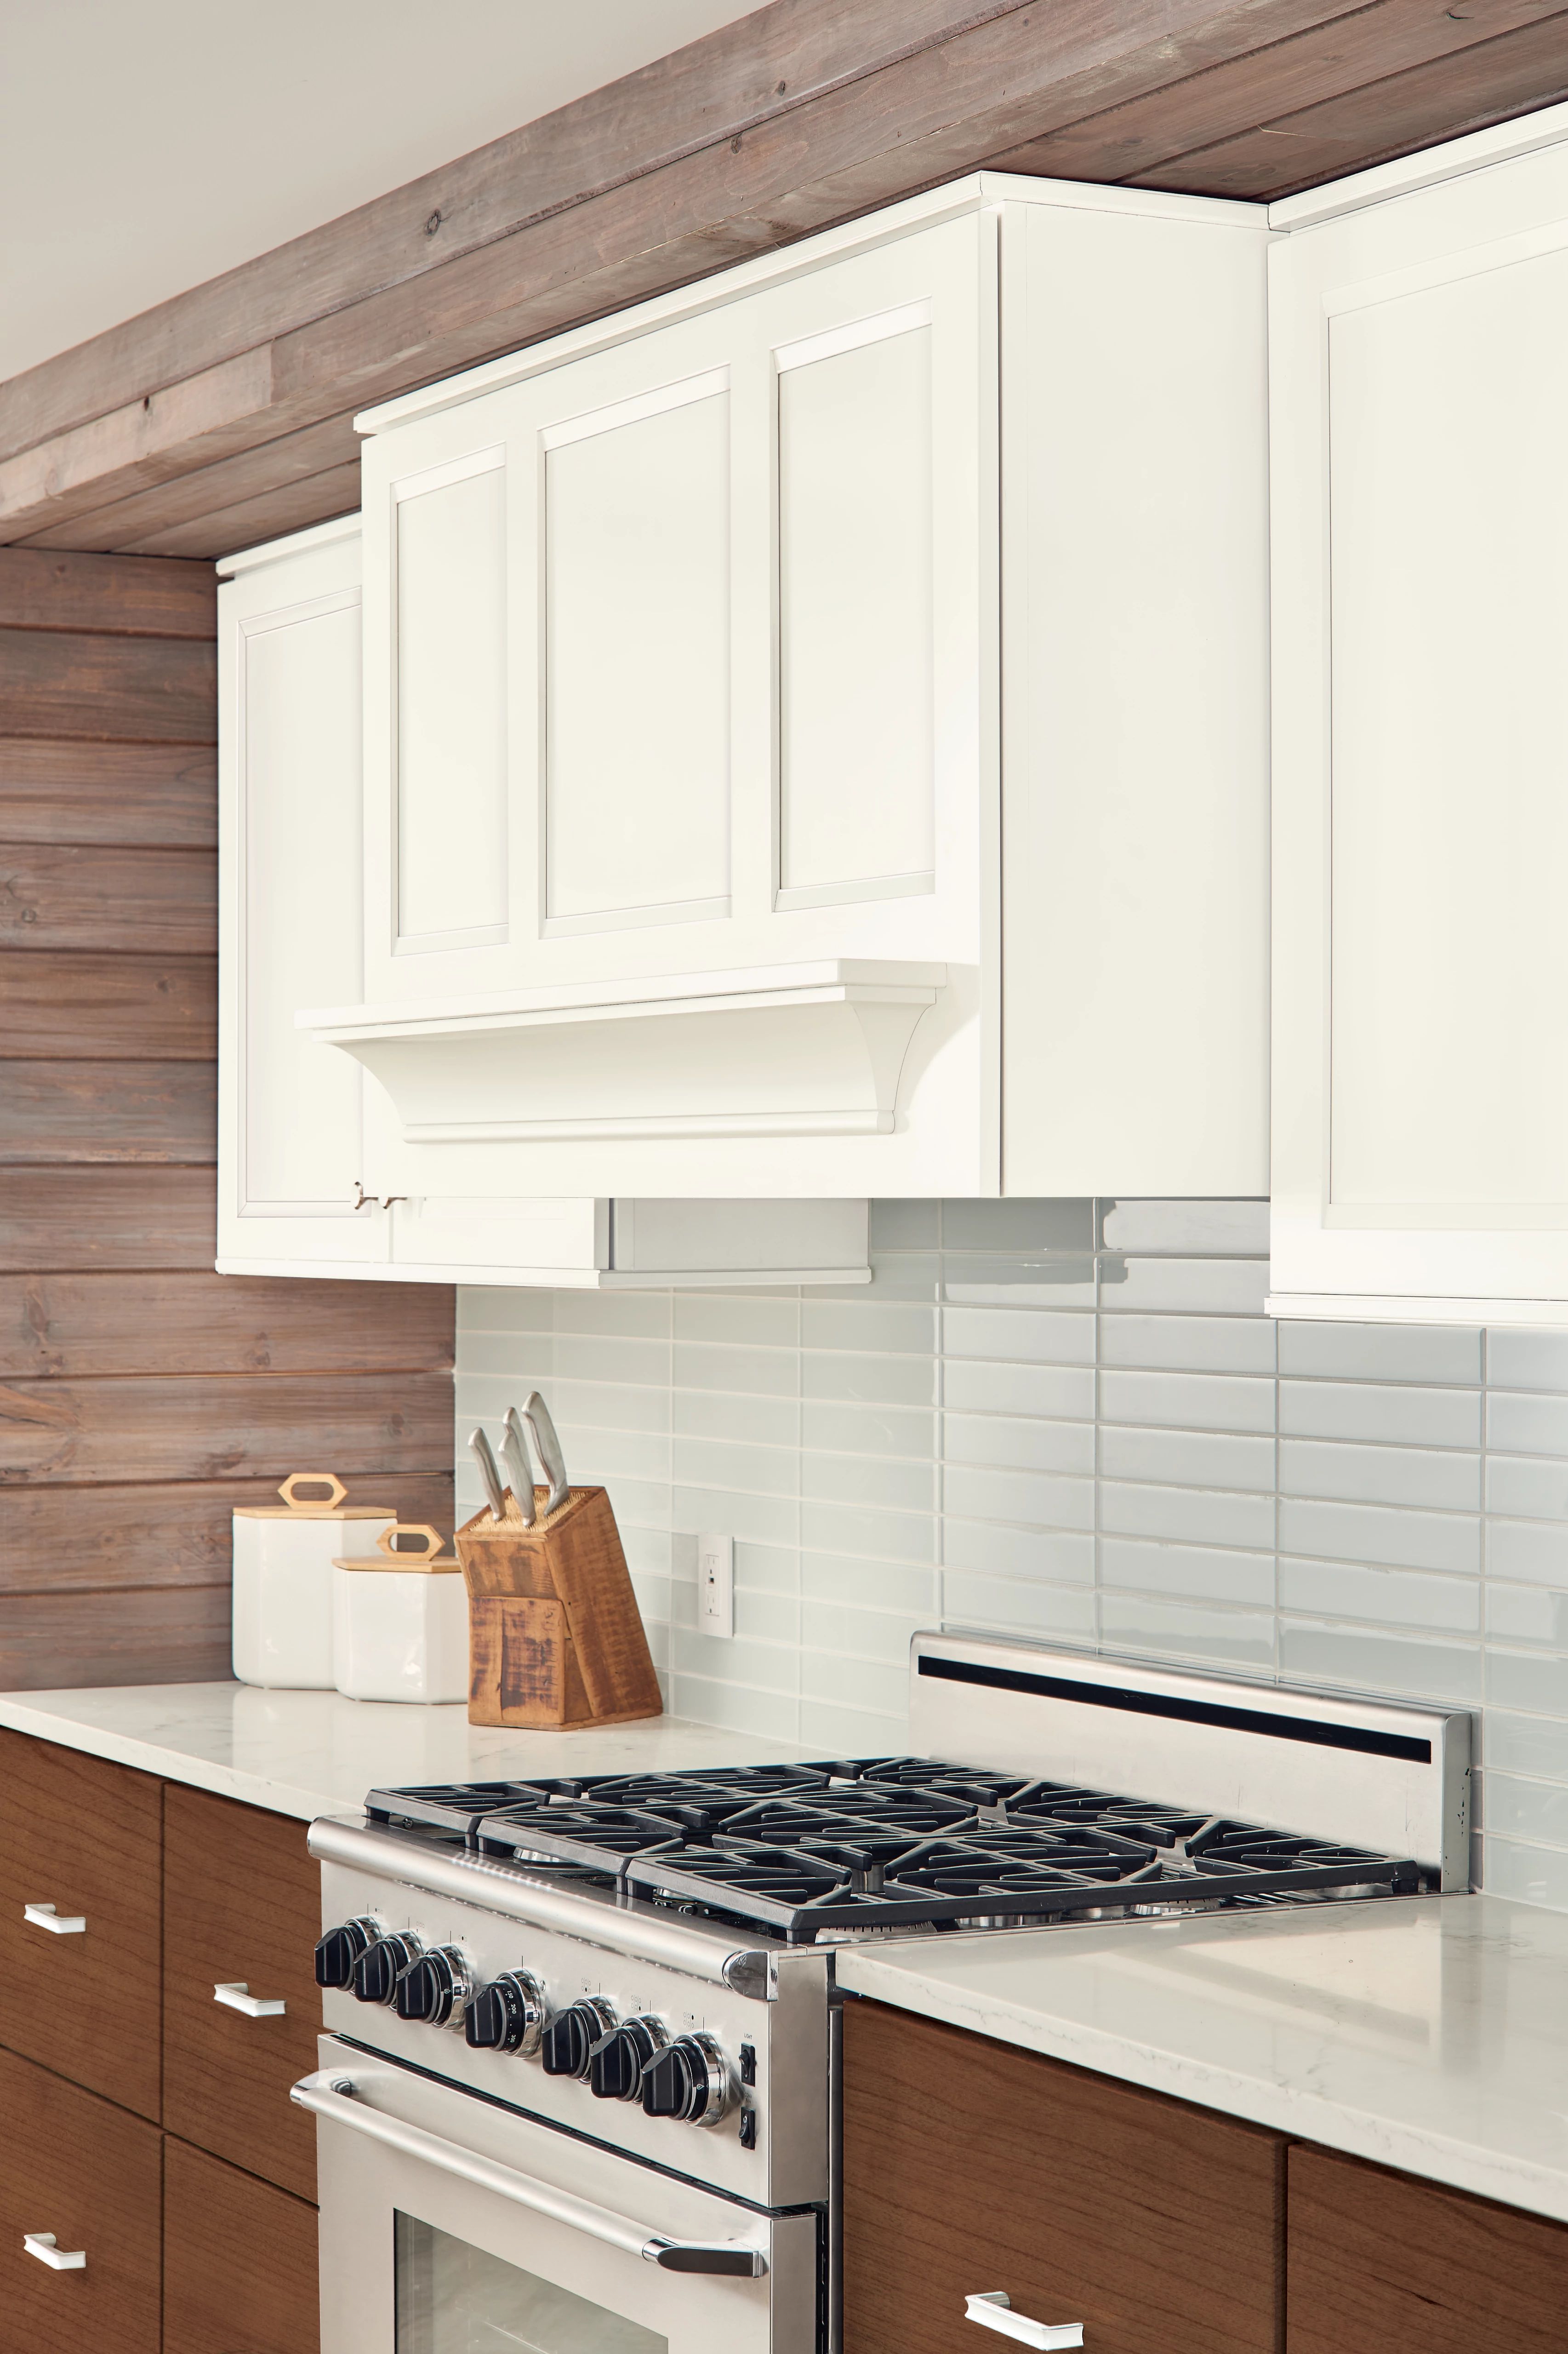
(970, 2166)
(240, 2260)
(1383, 2264)
(80, 2179)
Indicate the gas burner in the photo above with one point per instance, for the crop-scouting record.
(835, 1848)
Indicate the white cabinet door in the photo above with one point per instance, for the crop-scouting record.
(289, 851)
(1421, 753)
(681, 669)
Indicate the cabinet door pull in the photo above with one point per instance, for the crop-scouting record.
(59, 1925)
(993, 2308)
(58, 2260)
(236, 1996)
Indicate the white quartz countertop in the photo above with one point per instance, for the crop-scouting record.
(1428, 2033)
(314, 1752)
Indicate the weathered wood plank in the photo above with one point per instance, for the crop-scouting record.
(150, 795)
(129, 1218)
(157, 902)
(255, 1425)
(1490, 83)
(148, 690)
(137, 1008)
(39, 591)
(76, 1324)
(65, 1540)
(211, 490)
(289, 507)
(1327, 62)
(153, 1635)
(105, 1111)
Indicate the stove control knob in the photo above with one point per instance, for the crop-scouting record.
(617, 2059)
(567, 2047)
(341, 1948)
(379, 1968)
(691, 2079)
(508, 2015)
(437, 1988)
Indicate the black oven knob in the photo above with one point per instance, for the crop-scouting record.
(341, 1948)
(379, 1968)
(566, 2045)
(508, 2015)
(617, 2059)
(436, 1988)
(689, 2080)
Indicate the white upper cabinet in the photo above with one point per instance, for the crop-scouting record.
(688, 761)
(1421, 749)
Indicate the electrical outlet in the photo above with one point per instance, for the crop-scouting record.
(715, 1585)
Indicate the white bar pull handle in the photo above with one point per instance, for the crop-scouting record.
(330, 2094)
(58, 2260)
(59, 1925)
(993, 2308)
(236, 1996)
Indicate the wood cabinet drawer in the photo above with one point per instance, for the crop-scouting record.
(241, 1904)
(240, 2260)
(85, 1837)
(73, 2165)
(969, 2165)
(1380, 2264)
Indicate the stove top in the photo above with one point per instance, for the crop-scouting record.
(846, 1848)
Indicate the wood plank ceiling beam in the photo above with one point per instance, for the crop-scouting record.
(222, 417)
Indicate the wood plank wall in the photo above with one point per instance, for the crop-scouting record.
(143, 1395)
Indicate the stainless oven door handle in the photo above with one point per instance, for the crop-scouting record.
(332, 2094)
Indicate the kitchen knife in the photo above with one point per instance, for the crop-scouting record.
(547, 1448)
(489, 1473)
(519, 1464)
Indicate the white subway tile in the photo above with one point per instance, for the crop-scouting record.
(764, 1667)
(1018, 1226)
(1192, 1228)
(642, 1503)
(758, 1568)
(875, 1479)
(760, 1520)
(1193, 1287)
(1522, 1424)
(905, 1225)
(597, 1455)
(497, 1308)
(1533, 1489)
(914, 1588)
(854, 1633)
(738, 1414)
(612, 1361)
(1189, 1344)
(741, 1708)
(1379, 1353)
(750, 1319)
(1397, 1597)
(1373, 1411)
(1026, 1336)
(1535, 1550)
(1189, 1515)
(1527, 1614)
(525, 1358)
(620, 1315)
(827, 1729)
(897, 1325)
(1240, 1640)
(1062, 1393)
(895, 1275)
(882, 1686)
(869, 1429)
(1064, 1555)
(870, 1531)
(1035, 1498)
(606, 1405)
(972, 1281)
(1196, 1458)
(1531, 1875)
(1201, 1573)
(765, 1618)
(1361, 1659)
(719, 1463)
(1526, 1361)
(1405, 1540)
(1536, 1746)
(1018, 1443)
(1528, 1680)
(1380, 1475)
(879, 1380)
(1018, 1606)
(1188, 1401)
(715, 1365)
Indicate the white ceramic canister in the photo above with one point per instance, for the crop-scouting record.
(282, 1579)
(400, 1620)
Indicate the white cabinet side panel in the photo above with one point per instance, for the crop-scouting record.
(636, 529)
(451, 709)
(856, 597)
(1134, 813)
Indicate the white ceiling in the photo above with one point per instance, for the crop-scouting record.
(147, 145)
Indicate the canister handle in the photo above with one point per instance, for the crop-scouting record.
(336, 1491)
(413, 1554)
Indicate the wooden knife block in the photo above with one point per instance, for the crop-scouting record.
(555, 1636)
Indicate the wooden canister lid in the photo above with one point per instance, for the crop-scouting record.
(424, 1556)
(331, 1507)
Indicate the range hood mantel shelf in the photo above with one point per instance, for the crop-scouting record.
(781, 1050)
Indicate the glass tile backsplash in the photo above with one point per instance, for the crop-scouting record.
(1072, 1419)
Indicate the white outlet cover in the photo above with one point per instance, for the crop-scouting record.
(715, 1585)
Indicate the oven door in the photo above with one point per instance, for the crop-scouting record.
(450, 2225)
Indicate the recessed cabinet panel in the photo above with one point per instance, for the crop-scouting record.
(636, 544)
(1449, 518)
(301, 704)
(452, 706)
(856, 596)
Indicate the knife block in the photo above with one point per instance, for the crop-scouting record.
(555, 1636)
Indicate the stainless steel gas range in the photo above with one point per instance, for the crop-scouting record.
(578, 2086)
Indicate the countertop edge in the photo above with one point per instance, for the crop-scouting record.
(1300, 2114)
(169, 1765)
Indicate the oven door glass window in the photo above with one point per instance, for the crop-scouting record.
(456, 2299)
